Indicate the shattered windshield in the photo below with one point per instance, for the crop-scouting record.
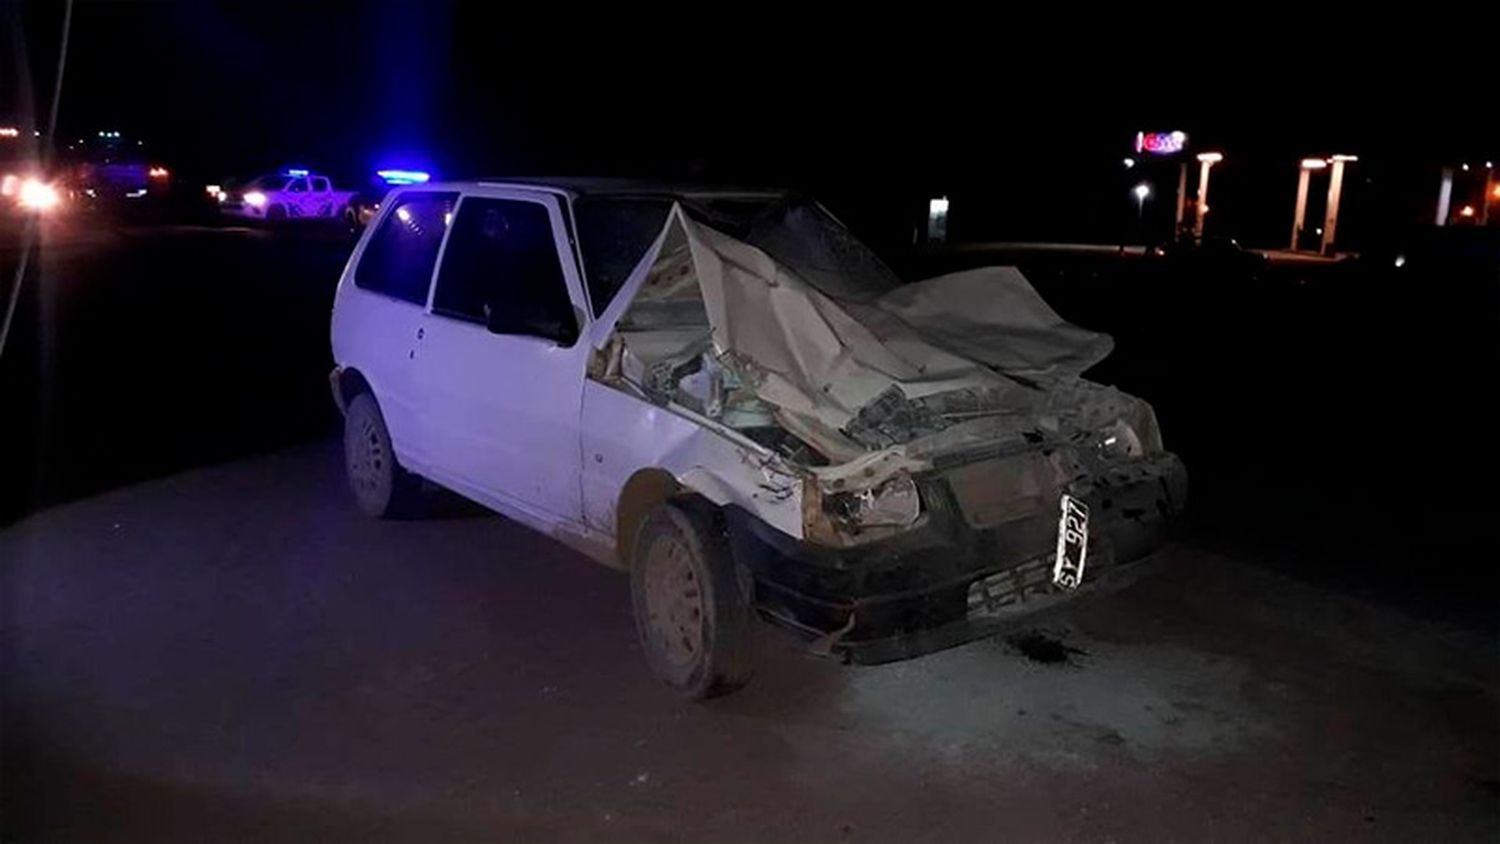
(805, 237)
(616, 231)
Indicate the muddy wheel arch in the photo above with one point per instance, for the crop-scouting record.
(641, 494)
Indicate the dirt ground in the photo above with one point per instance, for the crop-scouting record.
(235, 652)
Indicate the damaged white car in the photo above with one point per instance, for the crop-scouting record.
(726, 394)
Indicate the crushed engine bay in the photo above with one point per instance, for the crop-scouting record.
(829, 359)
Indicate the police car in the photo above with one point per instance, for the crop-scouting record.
(291, 194)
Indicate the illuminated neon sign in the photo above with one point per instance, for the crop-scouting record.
(1160, 143)
(296, 172)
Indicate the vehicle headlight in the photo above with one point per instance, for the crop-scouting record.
(1133, 435)
(894, 503)
(36, 195)
(1119, 440)
(255, 198)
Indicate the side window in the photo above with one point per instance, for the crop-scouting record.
(502, 270)
(399, 258)
(297, 186)
(320, 184)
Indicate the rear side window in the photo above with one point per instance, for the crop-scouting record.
(502, 270)
(613, 234)
(320, 184)
(399, 258)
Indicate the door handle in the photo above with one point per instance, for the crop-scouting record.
(421, 332)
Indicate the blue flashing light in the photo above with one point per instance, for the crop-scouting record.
(404, 177)
(296, 172)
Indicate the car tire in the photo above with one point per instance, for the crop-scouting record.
(381, 487)
(693, 605)
(276, 213)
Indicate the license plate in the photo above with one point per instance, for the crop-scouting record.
(1072, 543)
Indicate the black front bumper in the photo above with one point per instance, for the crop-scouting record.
(911, 594)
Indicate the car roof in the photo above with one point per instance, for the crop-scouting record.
(610, 186)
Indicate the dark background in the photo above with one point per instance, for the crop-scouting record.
(1025, 133)
(1334, 417)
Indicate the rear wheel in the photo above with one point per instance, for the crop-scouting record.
(381, 487)
(693, 605)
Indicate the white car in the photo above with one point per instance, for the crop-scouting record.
(294, 194)
(726, 394)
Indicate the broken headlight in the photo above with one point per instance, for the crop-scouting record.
(1119, 441)
(894, 503)
(1134, 435)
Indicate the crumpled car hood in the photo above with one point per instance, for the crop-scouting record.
(983, 335)
(994, 315)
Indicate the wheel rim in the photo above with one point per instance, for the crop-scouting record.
(674, 602)
(366, 457)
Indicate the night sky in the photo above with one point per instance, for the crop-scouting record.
(1029, 121)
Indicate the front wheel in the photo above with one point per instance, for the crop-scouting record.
(381, 487)
(693, 605)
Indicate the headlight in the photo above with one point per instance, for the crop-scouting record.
(894, 503)
(255, 198)
(1119, 440)
(36, 195)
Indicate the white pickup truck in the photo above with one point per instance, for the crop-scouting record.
(290, 195)
(728, 395)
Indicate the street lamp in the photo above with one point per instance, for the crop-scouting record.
(1206, 160)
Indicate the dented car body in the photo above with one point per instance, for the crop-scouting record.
(888, 465)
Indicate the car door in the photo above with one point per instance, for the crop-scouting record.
(296, 197)
(501, 367)
(380, 319)
(320, 199)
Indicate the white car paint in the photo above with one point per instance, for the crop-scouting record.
(516, 424)
(500, 413)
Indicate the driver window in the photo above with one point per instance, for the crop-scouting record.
(501, 269)
(298, 186)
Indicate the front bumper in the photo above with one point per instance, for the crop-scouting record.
(911, 594)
